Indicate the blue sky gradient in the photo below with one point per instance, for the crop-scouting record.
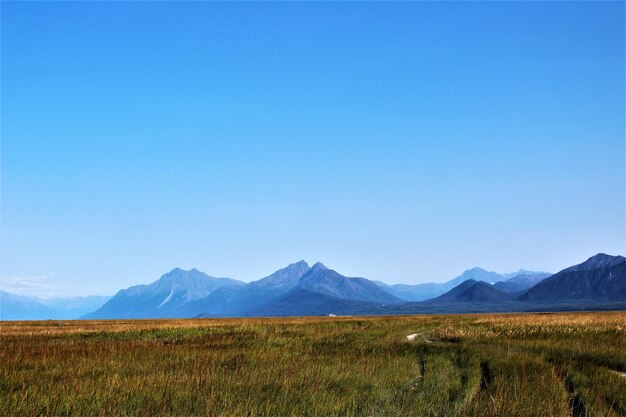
(397, 141)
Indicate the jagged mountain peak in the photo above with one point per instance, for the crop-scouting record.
(163, 297)
(476, 273)
(600, 260)
(179, 276)
(599, 278)
(175, 271)
(298, 266)
(318, 266)
(327, 281)
(285, 277)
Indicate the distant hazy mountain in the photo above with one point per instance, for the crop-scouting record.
(511, 275)
(476, 274)
(74, 307)
(15, 307)
(600, 278)
(431, 290)
(520, 282)
(472, 291)
(164, 298)
(417, 292)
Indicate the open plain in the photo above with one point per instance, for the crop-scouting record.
(562, 364)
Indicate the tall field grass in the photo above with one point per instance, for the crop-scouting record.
(464, 365)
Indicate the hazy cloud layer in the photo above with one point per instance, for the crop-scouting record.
(42, 286)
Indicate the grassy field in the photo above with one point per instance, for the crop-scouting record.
(464, 365)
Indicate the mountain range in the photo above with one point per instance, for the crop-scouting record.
(300, 289)
(16, 307)
(431, 290)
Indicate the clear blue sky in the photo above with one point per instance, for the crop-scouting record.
(397, 141)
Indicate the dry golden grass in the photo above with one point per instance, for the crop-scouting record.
(466, 365)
